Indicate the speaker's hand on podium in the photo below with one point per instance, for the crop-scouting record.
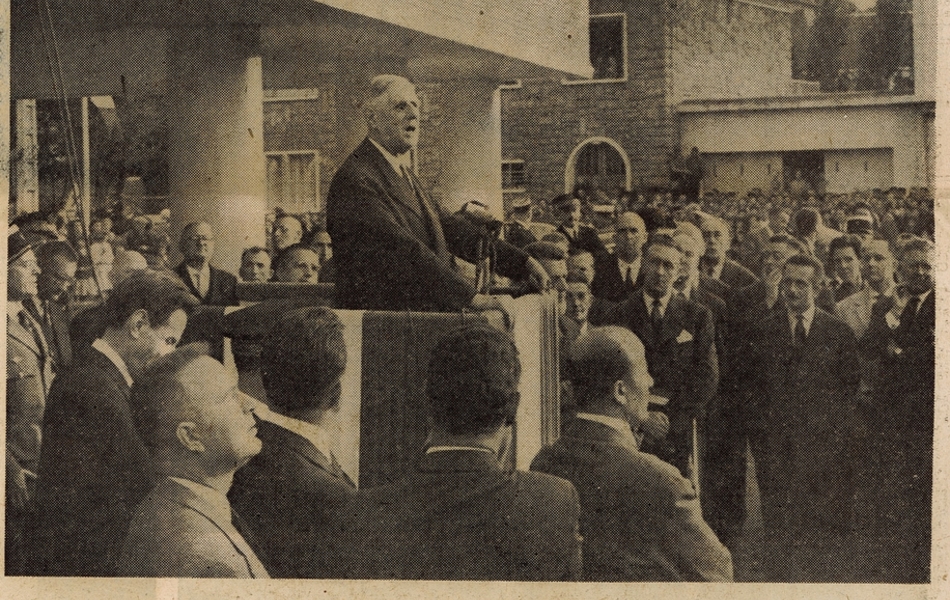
(538, 277)
(483, 302)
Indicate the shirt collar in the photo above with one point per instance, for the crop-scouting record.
(809, 316)
(103, 346)
(664, 302)
(217, 500)
(635, 265)
(622, 427)
(204, 271)
(398, 163)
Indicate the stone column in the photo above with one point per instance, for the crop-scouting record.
(215, 142)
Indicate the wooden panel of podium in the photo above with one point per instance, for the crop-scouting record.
(383, 418)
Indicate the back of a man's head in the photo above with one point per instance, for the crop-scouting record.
(599, 359)
(302, 360)
(473, 380)
(50, 251)
(158, 294)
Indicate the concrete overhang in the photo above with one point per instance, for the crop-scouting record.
(122, 46)
(821, 101)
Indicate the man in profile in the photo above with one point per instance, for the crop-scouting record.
(93, 466)
(640, 518)
(289, 491)
(392, 245)
(200, 430)
(460, 514)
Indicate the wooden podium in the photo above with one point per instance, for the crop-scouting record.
(383, 417)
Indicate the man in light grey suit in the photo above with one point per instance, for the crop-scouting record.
(200, 429)
(878, 271)
(640, 518)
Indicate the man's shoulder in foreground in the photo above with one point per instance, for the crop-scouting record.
(464, 522)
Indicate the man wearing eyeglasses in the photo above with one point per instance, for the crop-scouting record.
(211, 285)
(93, 467)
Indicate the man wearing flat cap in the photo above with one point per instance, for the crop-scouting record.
(393, 246)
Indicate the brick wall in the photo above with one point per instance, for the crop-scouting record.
(545, 120)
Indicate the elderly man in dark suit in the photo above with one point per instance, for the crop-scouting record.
(680, 347)
(715, 263)
(801, 381)
(289, 491)
(640, 518)
(211, 285)
(200, 429)
(460, 514)
(901, 340)
(618, 273)
(93, 466)
(392, 245)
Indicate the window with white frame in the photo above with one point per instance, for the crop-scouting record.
(608, 49)
(293, 181)
(512, 175)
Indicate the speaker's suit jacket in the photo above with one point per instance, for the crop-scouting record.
(803, 428)
(393, 247)
(640, 518)
(682, 362)
(460, 516)
(94, 469)
(222, 286)
(178, 533)
(287, 495)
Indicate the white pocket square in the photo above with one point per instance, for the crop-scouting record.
(684, 337)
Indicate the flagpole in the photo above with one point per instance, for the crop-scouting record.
(86, 198)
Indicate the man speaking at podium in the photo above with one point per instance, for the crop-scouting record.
(393, 245)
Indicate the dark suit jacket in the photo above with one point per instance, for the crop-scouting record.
(905, 382)
(222, 288)
(735, 275)
(393, 248)
(177, 533)
(586, 239)
(682, 362)
(286, 495)
(518, 235)
(607, 283)
(460, 516)
(86, 326)
(55, 328)
(93, 470)
(802, 420)
(640, 518)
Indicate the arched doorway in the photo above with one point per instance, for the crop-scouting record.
(598, 163)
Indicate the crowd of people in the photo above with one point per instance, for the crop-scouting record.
(696, 336)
